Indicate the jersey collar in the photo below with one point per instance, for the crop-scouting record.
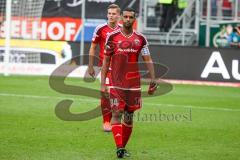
(127, 36)
(112, 27)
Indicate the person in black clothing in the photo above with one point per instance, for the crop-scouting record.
(168, 15)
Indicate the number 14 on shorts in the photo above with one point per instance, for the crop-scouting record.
(114, 102)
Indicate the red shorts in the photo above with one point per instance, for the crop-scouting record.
(129, 100)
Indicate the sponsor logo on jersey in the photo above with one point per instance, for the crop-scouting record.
(131, 50)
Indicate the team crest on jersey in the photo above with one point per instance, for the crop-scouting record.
(137, 42)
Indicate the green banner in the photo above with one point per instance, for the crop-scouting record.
(222, 35)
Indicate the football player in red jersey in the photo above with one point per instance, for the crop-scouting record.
(122, 50)
(99, 38)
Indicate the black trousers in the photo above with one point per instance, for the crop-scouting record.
(168, 15)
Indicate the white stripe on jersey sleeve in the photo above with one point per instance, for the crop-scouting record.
(95, 35)
(140, 34)
(111, 33)
(145, 51)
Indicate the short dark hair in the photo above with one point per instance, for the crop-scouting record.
(129, 9)
(114, 6)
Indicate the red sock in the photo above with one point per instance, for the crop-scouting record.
(127, 130)
(106, 110)
(117, 134)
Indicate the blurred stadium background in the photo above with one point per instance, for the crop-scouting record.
(200, 50)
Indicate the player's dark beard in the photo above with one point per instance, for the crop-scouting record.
(128, 26)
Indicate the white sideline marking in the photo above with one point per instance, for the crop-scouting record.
(92, 100)
(208, 83)
(44, 97)
(194, 107)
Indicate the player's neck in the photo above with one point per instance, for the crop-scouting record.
(127, 31)
(112, 25)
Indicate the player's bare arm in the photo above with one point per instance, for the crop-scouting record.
(149, 64)
(92, 52)
(104, 71)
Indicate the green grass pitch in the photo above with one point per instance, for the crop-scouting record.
(189, 123)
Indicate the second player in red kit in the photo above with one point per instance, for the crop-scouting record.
(99, 38)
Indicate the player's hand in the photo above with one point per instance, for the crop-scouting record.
(152, 87)
(104, 91)
(91, 71)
